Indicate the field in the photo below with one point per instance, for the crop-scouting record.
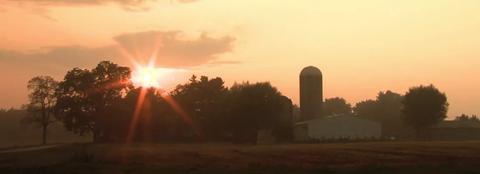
(375, 157)
(15, 134)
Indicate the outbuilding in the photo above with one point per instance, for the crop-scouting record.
(456, 130)
(334, 127)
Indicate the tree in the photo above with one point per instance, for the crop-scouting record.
(367, 109)
(336, 105)
(283, 128)
(253, 107)
(385, 109)
(41, 102)
(204, 99)
(465, 117)
(111, 83)
(84, 95)
(424, 106)
(73, 103)
(133, 119)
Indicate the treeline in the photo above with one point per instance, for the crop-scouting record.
(104, 103)
(386, 109)
(405, 116)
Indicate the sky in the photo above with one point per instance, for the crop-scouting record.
(362, 47)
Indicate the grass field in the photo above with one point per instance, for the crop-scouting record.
(375, 157)
(15, 134)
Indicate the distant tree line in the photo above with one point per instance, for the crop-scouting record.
(17, 130)
(403, 116)
(103, 102)
(464, 117)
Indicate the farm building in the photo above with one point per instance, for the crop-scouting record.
(336, 127)
(314, 125)
(456, 130)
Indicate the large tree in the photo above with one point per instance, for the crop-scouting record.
(73, 103)
(336, 105)
(203, 100)
(367, 109)
(41, 102)
(253, 107)
(139, 116)
(424, 106)
(84, 95)
(385, 109)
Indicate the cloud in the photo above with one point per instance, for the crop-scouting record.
(186, 1)
(129, 5)
(94, 2)
(56, 59)
(224, 62)
(170, 48)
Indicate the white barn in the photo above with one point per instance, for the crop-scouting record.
(336, 127)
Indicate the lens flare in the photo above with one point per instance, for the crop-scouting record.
(148, 77)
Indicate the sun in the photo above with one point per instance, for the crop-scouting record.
(147, 77)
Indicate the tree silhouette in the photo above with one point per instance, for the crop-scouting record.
(41, 102)
(204, 100)
(465, 117)
(336, 105)
(84, 96)
(367, 109)
(424, 106)
(385, 109)
(103, 102)
(283, 128)
(253, 107)
(73, 103)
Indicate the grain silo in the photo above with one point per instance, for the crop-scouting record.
(311, 93)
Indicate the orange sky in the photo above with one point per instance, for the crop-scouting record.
(362, 47)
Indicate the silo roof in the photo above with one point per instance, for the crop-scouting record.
(310, 70)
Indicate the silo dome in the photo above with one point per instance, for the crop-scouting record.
(311, 71)
(311, 93)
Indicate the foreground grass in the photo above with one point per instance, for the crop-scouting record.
(379, 157)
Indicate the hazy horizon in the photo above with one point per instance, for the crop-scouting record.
(362, 47)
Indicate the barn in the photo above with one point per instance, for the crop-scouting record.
(456, 130)
(343, 126)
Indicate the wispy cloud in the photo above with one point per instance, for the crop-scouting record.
(224, 62)
(94, 2)
(129, 5)
(170, 48)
